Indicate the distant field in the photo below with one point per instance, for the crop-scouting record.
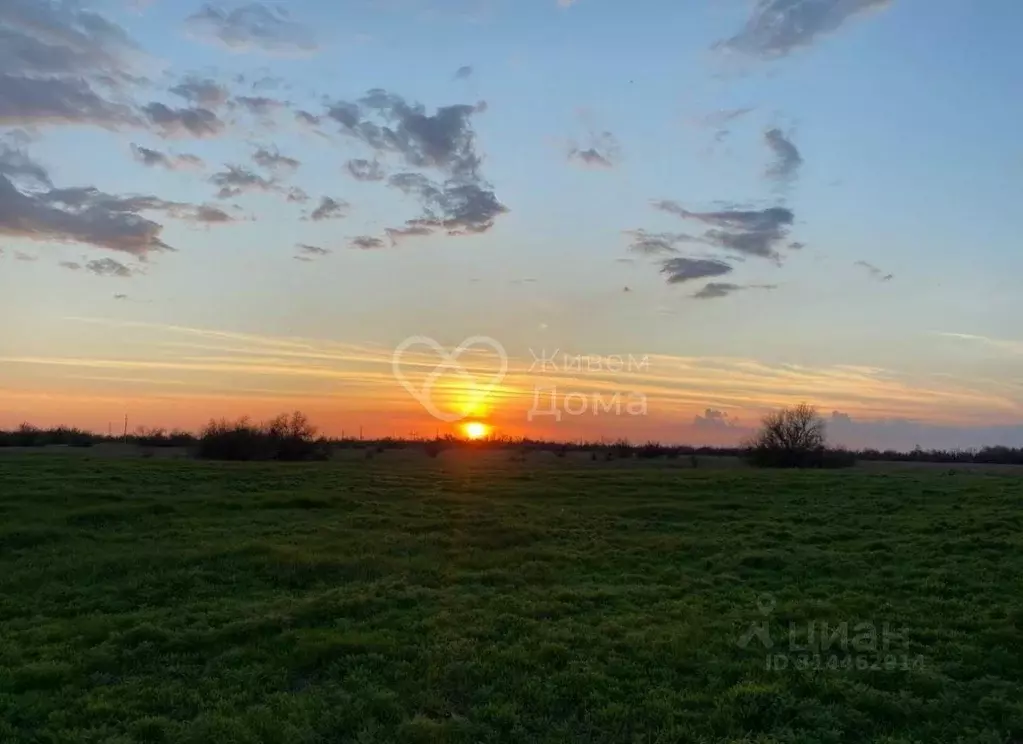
(476, 599)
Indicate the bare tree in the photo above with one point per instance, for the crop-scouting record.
(791, 437)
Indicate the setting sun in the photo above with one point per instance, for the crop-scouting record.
(475, 430)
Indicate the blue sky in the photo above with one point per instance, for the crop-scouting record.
(811, 184)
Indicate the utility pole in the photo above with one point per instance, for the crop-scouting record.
(126, 427)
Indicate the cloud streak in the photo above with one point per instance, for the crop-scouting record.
(252, 27)
(776, 28)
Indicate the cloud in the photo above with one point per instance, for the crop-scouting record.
(297, 195)
(26, 257)
(237, 180)
(365, 170)
(60, 63)
(653, 244)
(155, 158)
(444, 140)
(304, 117)
(81, 216)
(201, 92)
(778, 27)
(120, 297)
(679, 270)
(714, 290)
(108, 267)
(330, 209)
(273, 160)
(259, 105)
(716, 420)
(183, 122)
(749, 232)
(18, 166)
(787, 162)
(458, 207)
(396, 234)
(210, 215)
(71, 265)
(463, 73)
(796, 246)
(602, 151)
(307, 252)
(252, 27)
(717, 119)
(874, 272)
(366, 243)
(42, 101)
(463, 203)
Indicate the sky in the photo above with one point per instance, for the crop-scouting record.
(575, 219)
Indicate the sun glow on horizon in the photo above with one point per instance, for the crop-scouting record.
(475, 430)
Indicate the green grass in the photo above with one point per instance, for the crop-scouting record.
(490, 601)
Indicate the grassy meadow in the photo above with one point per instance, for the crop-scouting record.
(474, 598)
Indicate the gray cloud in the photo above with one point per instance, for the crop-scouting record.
(463, 73)
(396, 234)
(41, 101)
(259, 105)
(155, 158)
(458, 207)
(602, 151)
(108, 267)
(120, 297)
(201, 92)
(307, 250)
(714, 419)
(718, 119)
(445, 141)
(653, 244)
(366, 243)
(183, 122)
(237, 180)
(365, 170)
(778, 27)
(679, 270)
(210, 215)
(787, 162)
(72, 265)
(750, 232)
(308, 119)
(874, 272)
(59, 64)
(796, 246)
(330, 209)
(20, 168)
(26, 257)
(297, 195)
(273, 160)
(715, 290)
(81, 216)
(255, 26)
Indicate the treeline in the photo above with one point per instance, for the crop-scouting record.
(293, 437)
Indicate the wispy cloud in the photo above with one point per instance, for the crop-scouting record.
(874, 272)
(778, 27)
(252, 27)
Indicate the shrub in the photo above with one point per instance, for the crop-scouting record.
(286, 437)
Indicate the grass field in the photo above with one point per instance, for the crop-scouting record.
(482, 600)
